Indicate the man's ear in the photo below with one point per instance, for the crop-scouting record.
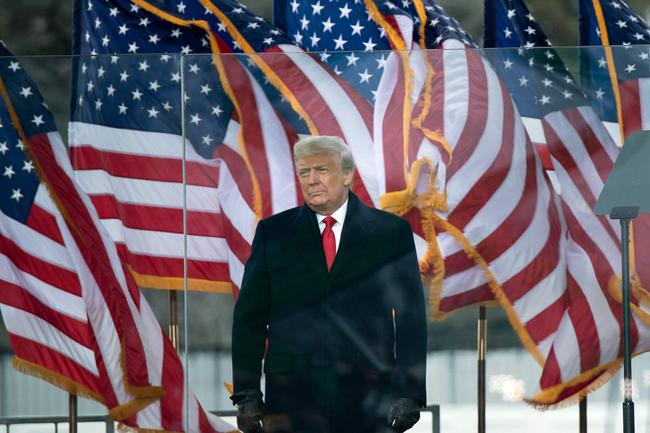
(348, 179)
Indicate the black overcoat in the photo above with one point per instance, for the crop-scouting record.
(336, 347)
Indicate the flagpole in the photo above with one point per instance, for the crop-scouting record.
(72, 413)
(583, 415)
(481, 350)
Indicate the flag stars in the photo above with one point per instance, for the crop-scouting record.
(114, 59)
(207, 140)
(135, 7)
(544, 100)
(14, 66)
(365, 76)
(176, 77)
(38, 120)
(352, 59)
(113, 12)
(98, 104)
(133, 47)
(548, 67)
(26, 92)
(98, 23)
(195, 119)
(194, 68)
(154, 39)
(314, 39)
(153, 85)
(101, 72)
(176, 33)
(253, 25)
(9, 171)
(567, 94)
(507, 33)
(122, 108)
(124, 76)
(20, 145)
(216, 110)
(546, 82)
(511, 13)
(181, 7)
(602, 63)
(110, 90)
(638, 36)
(165, 58)
(144, 22)
(16, 194)
(28, 166)
(143, 66)
(381, 62)
(123, 29)
(325, 55)
(297, 37)
(644, 56)
(507, 64)
(294, 6)
(339, 43)
(153, 113)
(167, 106)
(3, 147)
(327, 25)
(185, 49)
(137, 94)
(621, 24)
(205, 89)
(369, 45)
(268, 41)
(345, 11)
(630, 68)
(304, 23)
(356, 28)
(105, 41)
(523, 81)
(317, 8)
(600, 94)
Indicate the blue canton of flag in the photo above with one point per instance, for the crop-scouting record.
(119, 82)
(629, 36)
(352, 42)
(20, 181)
(533, 71)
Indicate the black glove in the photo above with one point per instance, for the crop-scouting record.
(249, 410)
(403, 414)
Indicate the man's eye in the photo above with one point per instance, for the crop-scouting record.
(322, 169)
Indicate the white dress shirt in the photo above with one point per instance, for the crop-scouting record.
(337, 228)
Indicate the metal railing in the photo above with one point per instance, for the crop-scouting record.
(9, 421)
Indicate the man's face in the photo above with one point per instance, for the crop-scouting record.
(323, 183)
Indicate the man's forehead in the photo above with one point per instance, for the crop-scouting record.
(317, 160)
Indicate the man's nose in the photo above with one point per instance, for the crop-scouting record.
(313, 177)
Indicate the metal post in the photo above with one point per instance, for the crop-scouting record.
(72, 413)
(173, 319)
(481, 349)
(625, 215)
(628, 404)
(583, 415)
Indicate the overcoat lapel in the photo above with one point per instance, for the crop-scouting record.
(307, 242)
(356, 228)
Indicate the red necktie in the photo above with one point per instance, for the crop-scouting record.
(329, 241)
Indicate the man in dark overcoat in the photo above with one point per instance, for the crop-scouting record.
(331, 309)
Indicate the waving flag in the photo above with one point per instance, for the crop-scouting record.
(243, 114)
(582, 154)
(617, 78)
(74, 316)
(496, 224)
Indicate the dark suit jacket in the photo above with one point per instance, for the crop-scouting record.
(336, 355)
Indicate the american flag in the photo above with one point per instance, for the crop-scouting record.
(627, 63)
(500, 235)
(582, 154)
(242, 114)
(73, 312)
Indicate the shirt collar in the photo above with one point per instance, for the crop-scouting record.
(338, 215)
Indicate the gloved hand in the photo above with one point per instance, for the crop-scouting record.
(403, 414)
(249, 410)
